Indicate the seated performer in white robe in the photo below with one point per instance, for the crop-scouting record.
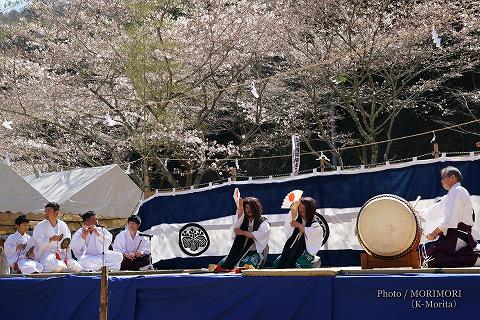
(17, 249)
(48, 235)
(304, 237)
(134, 248)
(449, 222)
(250, 234)
(90, 245)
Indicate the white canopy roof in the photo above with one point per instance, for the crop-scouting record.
(107, 190)
(16, 195)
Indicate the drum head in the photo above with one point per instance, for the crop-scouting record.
(387, 226)
(65, 243)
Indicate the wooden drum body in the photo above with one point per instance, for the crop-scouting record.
(387, 227)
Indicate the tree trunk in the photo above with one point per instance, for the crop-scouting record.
(374, 154)
(146, 178)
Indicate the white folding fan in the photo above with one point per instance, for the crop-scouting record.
(236, 196)
(291, 197)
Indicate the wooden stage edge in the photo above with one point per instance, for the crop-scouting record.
(316, 272)
(331, 272)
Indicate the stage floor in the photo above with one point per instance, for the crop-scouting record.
(325, 293)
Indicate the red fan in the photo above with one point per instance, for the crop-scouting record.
(291, 197)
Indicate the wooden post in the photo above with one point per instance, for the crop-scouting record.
(435, 150)
(233, 174)
(104, 294)
(322, 165)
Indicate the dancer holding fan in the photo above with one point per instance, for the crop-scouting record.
(250, 231)
(304, 233)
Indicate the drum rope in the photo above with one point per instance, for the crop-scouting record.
(424, 257)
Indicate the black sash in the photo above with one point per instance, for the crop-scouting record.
(463, 232)
(293, 249)
(241, 244)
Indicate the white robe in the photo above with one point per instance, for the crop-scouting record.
(261, 236)
(453, 208)
(313, 235)
(26, 265)
(125, 244)
(45, 250)
(89, 251)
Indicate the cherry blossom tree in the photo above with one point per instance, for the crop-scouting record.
(176, 91)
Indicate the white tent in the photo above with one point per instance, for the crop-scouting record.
(107, 190)
(16, 195)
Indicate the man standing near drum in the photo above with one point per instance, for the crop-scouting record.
(455, 244)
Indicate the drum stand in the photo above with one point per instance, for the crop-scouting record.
(411, 259)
